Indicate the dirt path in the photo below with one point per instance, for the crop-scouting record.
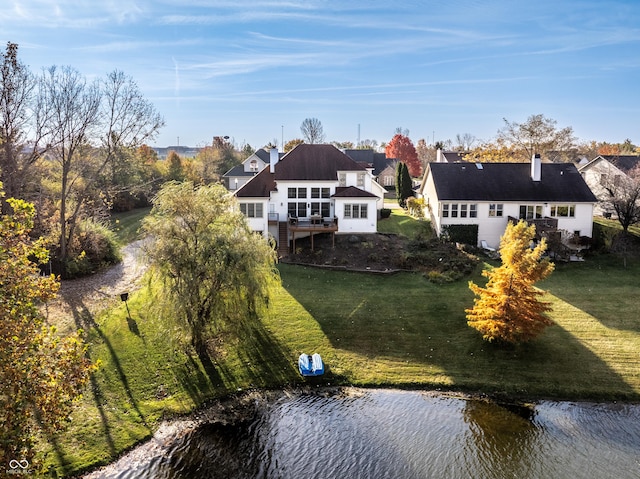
(98, 291)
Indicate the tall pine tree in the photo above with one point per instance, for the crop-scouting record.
(509, 309)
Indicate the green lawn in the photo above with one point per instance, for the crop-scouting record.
(395, 331)
(400, 222)
(635, 229)
(127, 224)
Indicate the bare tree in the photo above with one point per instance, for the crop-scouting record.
(538, 135)
(624, 197)
(368, 145)
(312, 132)
(76, 107)
(402, 131)
(127, 121)
(93, 125)
(426, 153)
(465, 141)
(23, 119)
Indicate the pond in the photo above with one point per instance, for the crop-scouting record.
(401, 434)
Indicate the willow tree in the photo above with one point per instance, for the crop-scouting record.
(509, 308)
(214, 268)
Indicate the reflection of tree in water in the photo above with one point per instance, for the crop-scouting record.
(501, 440)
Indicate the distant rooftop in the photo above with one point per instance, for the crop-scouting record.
(184, 151)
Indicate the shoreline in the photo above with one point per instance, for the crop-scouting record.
(243, 406)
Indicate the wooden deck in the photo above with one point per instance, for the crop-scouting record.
(312, 226)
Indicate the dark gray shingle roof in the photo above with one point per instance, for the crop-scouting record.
(352, 192)
(303, 163)
(509, 182)
(314, 162)
(625, 163)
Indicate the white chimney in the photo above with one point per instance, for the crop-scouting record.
(273, 159)
(536, 167)
(439, 156)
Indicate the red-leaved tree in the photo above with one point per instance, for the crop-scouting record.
(401, 148)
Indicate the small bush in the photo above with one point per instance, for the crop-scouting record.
(415, 206)
(461, 234)
(373, 258)
(93, 247)
(441, 278)
(385, 213)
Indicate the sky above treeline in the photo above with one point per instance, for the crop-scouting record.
(254, 70)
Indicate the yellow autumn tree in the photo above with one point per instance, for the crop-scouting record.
(509, 308)
(41, 374)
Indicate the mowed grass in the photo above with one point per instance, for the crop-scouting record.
(126, 225)
(402, 223)
(389, 331)
(404, 331)
(615, 225)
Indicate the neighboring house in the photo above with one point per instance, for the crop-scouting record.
(240, 174)
(182, 151)
(552, 195)
(387, 177)
(384, 169)
(450, 156)
(607, 171)
(312, 189)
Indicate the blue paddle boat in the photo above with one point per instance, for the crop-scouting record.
(310, 365)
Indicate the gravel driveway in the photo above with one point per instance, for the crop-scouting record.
(96, 292)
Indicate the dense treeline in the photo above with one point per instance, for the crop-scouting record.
(78, 150)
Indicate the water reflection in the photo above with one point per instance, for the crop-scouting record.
(380, 433)
(501, 440)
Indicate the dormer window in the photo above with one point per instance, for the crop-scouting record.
(253, 166)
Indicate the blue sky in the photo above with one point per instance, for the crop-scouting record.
(254, 70)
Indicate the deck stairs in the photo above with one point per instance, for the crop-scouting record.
(283, 238)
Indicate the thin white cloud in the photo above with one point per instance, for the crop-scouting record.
(76, 14)
(138, 45)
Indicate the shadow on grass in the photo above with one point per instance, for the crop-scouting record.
(252, 357)
(267, 361)
(406, 318)
(133, 326)
(84, 320)
(601, 286)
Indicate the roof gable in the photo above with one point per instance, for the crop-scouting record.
(509, 182)
(260, 186)
(352, 192)
(303, 163)
(454, 156)
(370, 159)
(314, 163)
(624, 163)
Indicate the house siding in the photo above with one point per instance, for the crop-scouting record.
(357, 225)
(490, 228)
(258, 224)
(314, 167)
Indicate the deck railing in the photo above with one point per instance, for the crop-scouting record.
(275, 217)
